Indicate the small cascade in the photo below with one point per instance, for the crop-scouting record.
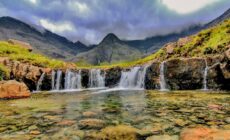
(72, 80)
(96, 78)
(58, 80)
(53, 79)
(205, 76)
(135, 78)
(39, 84)
(163, 85)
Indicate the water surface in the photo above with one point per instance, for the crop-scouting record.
(85, 114)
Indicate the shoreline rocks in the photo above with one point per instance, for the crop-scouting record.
(12, 89)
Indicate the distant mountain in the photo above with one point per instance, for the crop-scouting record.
(221, 18)
(42, 41)
(152, 44)
(111, 49)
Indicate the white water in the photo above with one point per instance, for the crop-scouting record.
(135, 78)
(38, 88)
(72, 80)
(205, 76)
(96, 78)
(53, 80)
(163, 85)
(58, 80)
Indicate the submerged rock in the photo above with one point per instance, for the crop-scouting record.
(13, 89)
(91, 124)
(202, 133)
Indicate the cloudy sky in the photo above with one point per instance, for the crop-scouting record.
(90, 20)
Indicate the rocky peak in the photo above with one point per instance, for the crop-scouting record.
(110, 38)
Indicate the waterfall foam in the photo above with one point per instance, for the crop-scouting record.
(205, 76)
(163, 85)
(58, 80)
(96, 78)
(134, 78)
(53, 79)
(72, 80)
(39, 84)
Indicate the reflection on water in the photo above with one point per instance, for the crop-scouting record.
(83, 114)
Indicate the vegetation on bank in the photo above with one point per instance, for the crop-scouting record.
(15, 52)
(4, 72)
(208, 42)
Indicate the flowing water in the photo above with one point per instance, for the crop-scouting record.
(84, 115)
(205, 76)
(39, 84)
(163, 85)
(96, 78)
(72, 80)
(58, 80)
(133, 78)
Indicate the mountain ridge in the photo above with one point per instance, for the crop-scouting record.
(46, 42)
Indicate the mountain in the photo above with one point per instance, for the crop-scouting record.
(110, 49)
(42, 41)
(152, 44)
(221, 18)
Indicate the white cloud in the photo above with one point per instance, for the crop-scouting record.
(33, 1)
(79, 6)
(187, 6)
(57, 27)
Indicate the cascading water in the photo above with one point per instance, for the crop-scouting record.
(96, 78)
(38, 88)
(135, 78)
(58, 80)
(205, 76)
(72, 80)
(53, 80)
(163, 85)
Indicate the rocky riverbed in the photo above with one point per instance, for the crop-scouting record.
(115, 115)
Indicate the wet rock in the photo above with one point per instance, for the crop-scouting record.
(91, 124)
(184, 73)
(163, 137)
(85, 78)
(227, 53)
(13, 89)
(120, 132)
(216, 78)
(225, 68)
(89, 114)
(35, 132)
(180, 122)
(66, 122)
(152, 76)
(112, 76)
(202, 133)
(227, 120)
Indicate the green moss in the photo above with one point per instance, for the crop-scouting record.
(4, 72)
(16, 52)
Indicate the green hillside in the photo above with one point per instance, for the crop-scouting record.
(15, 52)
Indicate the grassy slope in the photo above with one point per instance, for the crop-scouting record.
(16, 52)
(208, 42)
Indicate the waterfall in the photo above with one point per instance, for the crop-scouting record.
(72, 80)
(38, 88)
(205, 76)
(58, 80)
(53, 80)
(96, 78)
(135, 78)
(163, 85)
